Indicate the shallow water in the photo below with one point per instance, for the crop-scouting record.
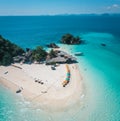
(100, 67)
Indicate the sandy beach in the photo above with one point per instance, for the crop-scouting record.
(50, 94)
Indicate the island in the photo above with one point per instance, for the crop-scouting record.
(50, 80)
(70, 39)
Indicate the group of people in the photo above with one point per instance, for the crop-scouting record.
(39, 81)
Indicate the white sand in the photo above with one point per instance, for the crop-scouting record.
(50, 95)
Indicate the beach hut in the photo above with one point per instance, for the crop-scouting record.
(56, 60)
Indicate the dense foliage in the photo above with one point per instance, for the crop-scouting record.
(39, 54)
(70, 39)
(7, 51)
(52, 53)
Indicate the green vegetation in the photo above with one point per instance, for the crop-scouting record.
(39, 54)
(10, 52)
(70, 39)
(7, 51)
(52, 53)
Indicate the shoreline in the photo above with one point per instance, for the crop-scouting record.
(51, 96)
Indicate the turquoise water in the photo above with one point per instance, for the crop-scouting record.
(100, 66)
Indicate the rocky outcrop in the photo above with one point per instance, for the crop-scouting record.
(52, 45)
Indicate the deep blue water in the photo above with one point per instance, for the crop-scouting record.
(34, 30)
(100, 66)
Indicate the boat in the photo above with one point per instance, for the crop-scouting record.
(18, 91)
(78, 53)
(103, 44)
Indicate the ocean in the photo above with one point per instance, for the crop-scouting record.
(100, 64)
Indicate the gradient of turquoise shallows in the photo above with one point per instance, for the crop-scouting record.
(100, 66)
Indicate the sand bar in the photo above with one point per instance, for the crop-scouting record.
(50, 94)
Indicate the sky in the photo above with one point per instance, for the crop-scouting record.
(53, 7)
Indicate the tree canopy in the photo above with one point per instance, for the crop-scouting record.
(70, 39)
(52, 53)
(7, 51)
(39, 53)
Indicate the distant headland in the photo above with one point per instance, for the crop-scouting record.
(70, 39)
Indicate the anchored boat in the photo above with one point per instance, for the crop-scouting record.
(78, 53)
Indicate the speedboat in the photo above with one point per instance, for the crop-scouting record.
(79, 53)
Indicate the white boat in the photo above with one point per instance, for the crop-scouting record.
(79, 53)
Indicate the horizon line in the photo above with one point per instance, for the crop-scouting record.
(65, 14)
